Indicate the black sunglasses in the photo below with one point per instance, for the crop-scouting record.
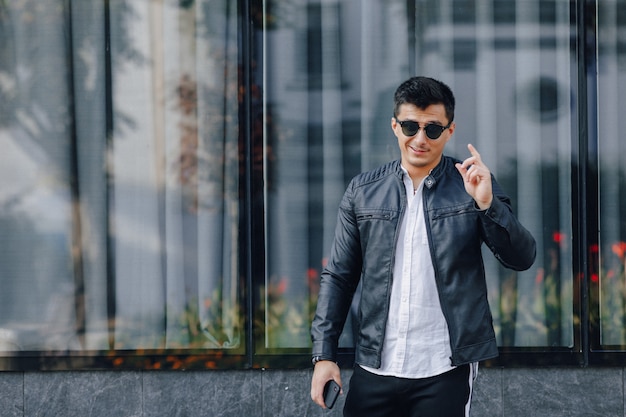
(410, 128)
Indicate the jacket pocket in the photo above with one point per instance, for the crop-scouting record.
(377, 230)
(460, 209)
(363, 215)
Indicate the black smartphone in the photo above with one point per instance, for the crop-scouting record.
(331, 392)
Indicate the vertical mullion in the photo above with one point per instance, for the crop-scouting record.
(247, 161)
(109, 196)
(77, 246)
(587, 165)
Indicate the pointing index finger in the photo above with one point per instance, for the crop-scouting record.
(473, 150)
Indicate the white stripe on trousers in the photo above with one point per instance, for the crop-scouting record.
(473, 373)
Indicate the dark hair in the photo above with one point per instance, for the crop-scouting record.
(423, 92)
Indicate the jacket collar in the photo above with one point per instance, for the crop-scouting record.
(435, 174)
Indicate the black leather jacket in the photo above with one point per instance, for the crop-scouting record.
(364, 250)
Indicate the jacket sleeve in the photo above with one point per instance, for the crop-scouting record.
(511, 243)
(338, 282)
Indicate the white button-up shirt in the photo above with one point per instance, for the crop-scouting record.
(417, 342)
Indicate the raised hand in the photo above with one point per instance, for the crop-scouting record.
(477, 178)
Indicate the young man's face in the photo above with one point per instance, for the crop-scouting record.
(420, 154)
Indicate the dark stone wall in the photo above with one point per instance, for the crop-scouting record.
(523, 392)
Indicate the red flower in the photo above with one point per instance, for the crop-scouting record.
(281, 288)
(539, 276)
(619, 249)
(558, 237)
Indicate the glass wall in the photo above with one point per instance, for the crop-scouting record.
(119, 196)
(329, 86)
(171, 169)
(609, 278)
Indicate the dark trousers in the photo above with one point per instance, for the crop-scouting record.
(445, 395)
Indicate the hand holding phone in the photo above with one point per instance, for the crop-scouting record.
(331, 392)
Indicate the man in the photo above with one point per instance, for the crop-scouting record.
(411, 232)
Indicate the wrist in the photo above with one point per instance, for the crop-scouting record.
(316, 359)
(484, 205)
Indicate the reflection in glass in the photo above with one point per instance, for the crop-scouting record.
(611, 253)
(330, 110)
(330, 80)
(174, 169)
(36, 212)
(119, 213)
